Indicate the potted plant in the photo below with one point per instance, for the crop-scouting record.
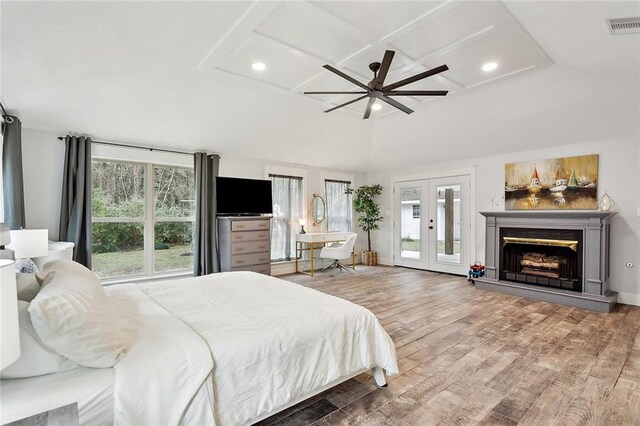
(364, 203)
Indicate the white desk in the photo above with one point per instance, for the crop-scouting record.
(312, 238)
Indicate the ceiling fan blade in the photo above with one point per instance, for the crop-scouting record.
(396, 104)
(384, 67)
(334, 93)
(417, 93)
(425, 74)
(346, 103)
(346, 77)
(367, 111)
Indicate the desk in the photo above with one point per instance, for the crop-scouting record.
(311, 238)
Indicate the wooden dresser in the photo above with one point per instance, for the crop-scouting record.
(245, 244)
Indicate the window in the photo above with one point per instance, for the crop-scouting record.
(416, 211)
(338, 205)
(143, 217)
(287, 209)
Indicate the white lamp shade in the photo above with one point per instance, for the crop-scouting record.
(5, 235)
(9, 328)
(30, 243)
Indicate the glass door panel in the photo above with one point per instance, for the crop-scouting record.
(449, 224)
(410, 241)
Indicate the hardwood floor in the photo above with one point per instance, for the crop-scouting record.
(470, 356)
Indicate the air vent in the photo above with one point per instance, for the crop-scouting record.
(624, 26)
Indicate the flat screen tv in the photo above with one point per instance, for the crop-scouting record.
(243, 197)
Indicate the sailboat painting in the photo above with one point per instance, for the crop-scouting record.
(567, 183)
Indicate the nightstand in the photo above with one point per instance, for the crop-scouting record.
(66, 415)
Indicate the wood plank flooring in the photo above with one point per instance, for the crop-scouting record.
(470, 356)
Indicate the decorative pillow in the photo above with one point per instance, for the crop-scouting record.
(73, 315)
(28, 286)
(67, 265)
(35, 358)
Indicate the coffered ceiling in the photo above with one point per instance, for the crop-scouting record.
(294, 40)
(177, 74)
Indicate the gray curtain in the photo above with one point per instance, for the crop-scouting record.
(12, 184)
(75, 210)
(206, 259)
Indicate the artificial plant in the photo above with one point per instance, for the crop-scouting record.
(364, 203)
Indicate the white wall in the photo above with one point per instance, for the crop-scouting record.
(618, 175)
(43, 159)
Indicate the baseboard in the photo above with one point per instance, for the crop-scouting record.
(387, 261)
(285, 268)
(629, 298)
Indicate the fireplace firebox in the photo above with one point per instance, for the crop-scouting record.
(556, 256)
(544, 257)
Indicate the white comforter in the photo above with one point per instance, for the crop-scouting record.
(263, 341)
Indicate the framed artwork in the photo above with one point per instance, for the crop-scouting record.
(567, 183)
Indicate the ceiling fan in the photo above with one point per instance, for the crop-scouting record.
(375, 89)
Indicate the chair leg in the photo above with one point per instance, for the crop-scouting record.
(331, 265)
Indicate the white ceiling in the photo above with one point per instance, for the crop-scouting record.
(178, 74)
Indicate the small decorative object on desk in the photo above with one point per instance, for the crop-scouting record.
(606, 204)
(476, 270)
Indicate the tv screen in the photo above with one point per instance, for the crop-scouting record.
(236, 196)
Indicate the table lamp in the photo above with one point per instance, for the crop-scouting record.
(5, 238)
(302, 222)
(28, 243)
(9, 327)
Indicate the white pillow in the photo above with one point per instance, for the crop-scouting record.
(67, 265)
(73, 315)
(28, 286)
(35, 358)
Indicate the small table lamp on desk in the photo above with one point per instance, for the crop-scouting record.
(9, 330)
(28, 243)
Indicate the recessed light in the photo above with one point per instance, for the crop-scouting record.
(376, 106)
(258, 66)
(489, 66)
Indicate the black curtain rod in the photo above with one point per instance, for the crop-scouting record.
(5, 116)
(122, 145)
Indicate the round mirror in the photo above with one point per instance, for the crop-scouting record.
(317, 209)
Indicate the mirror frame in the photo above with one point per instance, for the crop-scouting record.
(317, 221)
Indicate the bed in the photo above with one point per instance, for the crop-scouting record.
(232, 349)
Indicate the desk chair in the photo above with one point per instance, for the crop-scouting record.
(341, 251)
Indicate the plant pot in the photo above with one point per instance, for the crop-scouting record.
(370, 258)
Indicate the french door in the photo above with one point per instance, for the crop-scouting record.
(433, 224)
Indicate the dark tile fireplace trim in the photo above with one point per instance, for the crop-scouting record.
(595, 227)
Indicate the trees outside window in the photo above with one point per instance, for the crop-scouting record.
(143, 217)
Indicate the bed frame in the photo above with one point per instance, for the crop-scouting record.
(378, 376)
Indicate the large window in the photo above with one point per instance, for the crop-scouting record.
(338, 205)
(143, 218)
(287, 210)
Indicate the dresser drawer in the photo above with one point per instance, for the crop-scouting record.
(250, 236)
(249, 225)
(261, 269)
(250, 259)
(241, 247)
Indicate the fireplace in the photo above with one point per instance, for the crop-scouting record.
(544, 257)
(555, 256)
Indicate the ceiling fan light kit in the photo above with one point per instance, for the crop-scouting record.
(376, 89)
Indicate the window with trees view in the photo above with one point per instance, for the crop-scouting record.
(338, 205)
(143, 216)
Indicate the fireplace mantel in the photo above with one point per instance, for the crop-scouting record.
(595, 227)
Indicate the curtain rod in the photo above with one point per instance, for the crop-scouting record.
(5, 116)
(122, 145)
